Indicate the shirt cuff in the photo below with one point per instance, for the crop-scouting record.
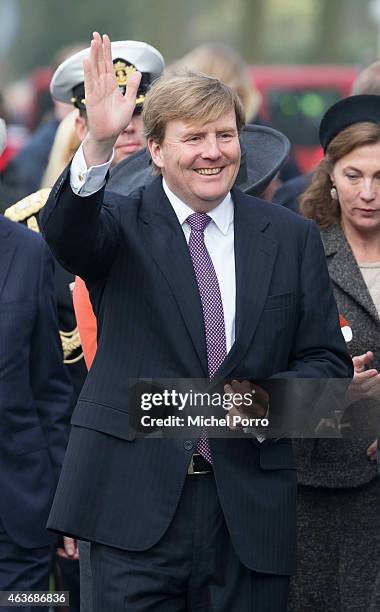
(86, 181)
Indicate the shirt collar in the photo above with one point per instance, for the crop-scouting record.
(222, 215)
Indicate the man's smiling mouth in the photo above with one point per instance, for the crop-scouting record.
(208, 171)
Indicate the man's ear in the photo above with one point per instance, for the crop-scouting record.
(155, 151)
(81, 127)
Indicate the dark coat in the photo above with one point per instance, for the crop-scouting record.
(27, 212)
(35, 395)
(123, 491)
(344, 463)
(289, 193)
(8, 195)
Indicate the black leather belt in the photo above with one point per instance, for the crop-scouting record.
(199, 465)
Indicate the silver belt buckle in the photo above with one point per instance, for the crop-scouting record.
(191, 470)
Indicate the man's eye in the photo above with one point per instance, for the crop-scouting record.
(226, 136)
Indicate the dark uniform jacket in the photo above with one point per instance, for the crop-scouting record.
(27, 212)
(35, 394)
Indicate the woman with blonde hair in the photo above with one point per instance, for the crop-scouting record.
(66, 143)
(224, 63)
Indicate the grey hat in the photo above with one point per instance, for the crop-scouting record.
(263, 151)
(67, 84)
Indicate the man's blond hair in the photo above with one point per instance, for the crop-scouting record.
(191, 97)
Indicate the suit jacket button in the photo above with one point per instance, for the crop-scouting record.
(188, 445)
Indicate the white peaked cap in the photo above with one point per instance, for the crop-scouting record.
(70, 73)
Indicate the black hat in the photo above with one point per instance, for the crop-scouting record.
(346, 112)
(263, 151)
(127, 56)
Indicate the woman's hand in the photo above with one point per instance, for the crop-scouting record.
(365, 383)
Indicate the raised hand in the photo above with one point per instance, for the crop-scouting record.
(108, 110)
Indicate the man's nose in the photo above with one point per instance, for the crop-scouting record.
(211, 149)
(131, 127)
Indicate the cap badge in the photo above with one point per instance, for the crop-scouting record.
(122, 72)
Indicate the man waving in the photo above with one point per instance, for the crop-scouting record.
(189, 279)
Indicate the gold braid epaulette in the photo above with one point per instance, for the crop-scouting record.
(70, 343)
(27, 207)
(25, 211)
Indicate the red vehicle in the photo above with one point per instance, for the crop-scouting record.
(295, 98)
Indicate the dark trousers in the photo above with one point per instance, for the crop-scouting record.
(66, 576)
(23, 569)
(85, 577)
(193, 568)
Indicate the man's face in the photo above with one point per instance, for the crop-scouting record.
(199, 162)
(131, 139)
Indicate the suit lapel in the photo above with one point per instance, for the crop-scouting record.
(341, 262)
(255, 255)
(167, 244)
(7, 250)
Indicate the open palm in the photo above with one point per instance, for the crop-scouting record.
(108, 110)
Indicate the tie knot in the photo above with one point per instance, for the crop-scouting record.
(198, 221)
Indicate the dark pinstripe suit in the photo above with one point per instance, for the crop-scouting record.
(123, 491)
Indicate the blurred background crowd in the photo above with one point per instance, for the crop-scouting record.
(301, 57)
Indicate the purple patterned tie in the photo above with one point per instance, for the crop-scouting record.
(212, 305)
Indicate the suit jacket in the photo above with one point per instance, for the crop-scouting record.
(35, 394)
(344, 463)
(123, 491)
